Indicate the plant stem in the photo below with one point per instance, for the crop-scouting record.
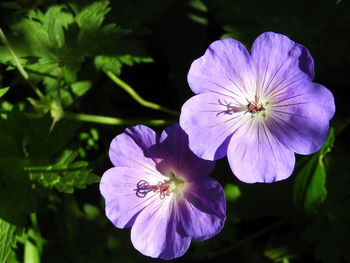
(18, 64)
(113, 121)
(137, 97)
(100, 119)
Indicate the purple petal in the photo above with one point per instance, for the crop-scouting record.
(279, 61)
(225, 68)
(157, 233)
(255, 155)
(179, 158)
(300, 117)
(209, 128)
(203, 210)
(131, 148)
(118, 186)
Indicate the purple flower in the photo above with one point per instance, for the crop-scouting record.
(162, 190)
(258, 109)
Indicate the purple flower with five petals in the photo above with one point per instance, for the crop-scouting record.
(162, 190)
(258, 108)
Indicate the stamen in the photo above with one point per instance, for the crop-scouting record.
(143, 188)
(229, 108)
(255, 106)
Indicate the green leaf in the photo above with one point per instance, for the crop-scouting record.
(310, 184)
(7, 239)
(55, 21)
(81, 87)
(3, 91)
(90, 18)
(65, 175)
(115, 63)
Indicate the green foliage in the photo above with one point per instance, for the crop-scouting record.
(64, 175)
(63, 41)
(29, 148)
(310, 184)
(7, 239)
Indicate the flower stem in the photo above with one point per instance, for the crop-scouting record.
(112, 120)
(137, 97)
(18, 64)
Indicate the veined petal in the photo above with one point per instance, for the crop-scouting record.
(300, 117)
(119, 188)
(225, 68)
(279, 61)
(256, 156)
(210, 124)
(131, 148)
(179, 158)
(157, 233)
(203, 210)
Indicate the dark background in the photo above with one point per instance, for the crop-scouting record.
(263, 224)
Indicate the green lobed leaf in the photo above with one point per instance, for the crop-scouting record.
(114, 63)
(65, 175)
(310, 184)
(7, 239)
(55, 21)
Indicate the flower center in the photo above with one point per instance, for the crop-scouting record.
(165, 188)
(255, 106)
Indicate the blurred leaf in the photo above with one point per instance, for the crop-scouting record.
(64, 175)
(280, 254)
(199, 5)
(310, 184)
(7, 239)
(81, 87)
(3, 91)
(31, 253)
(232, 192)
(92, 212)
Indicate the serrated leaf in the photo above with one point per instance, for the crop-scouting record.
(91, 17)
(7, 239)
(65, 175)
(310, 184)
(114, 63)
(55, 21)
(3, 91)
